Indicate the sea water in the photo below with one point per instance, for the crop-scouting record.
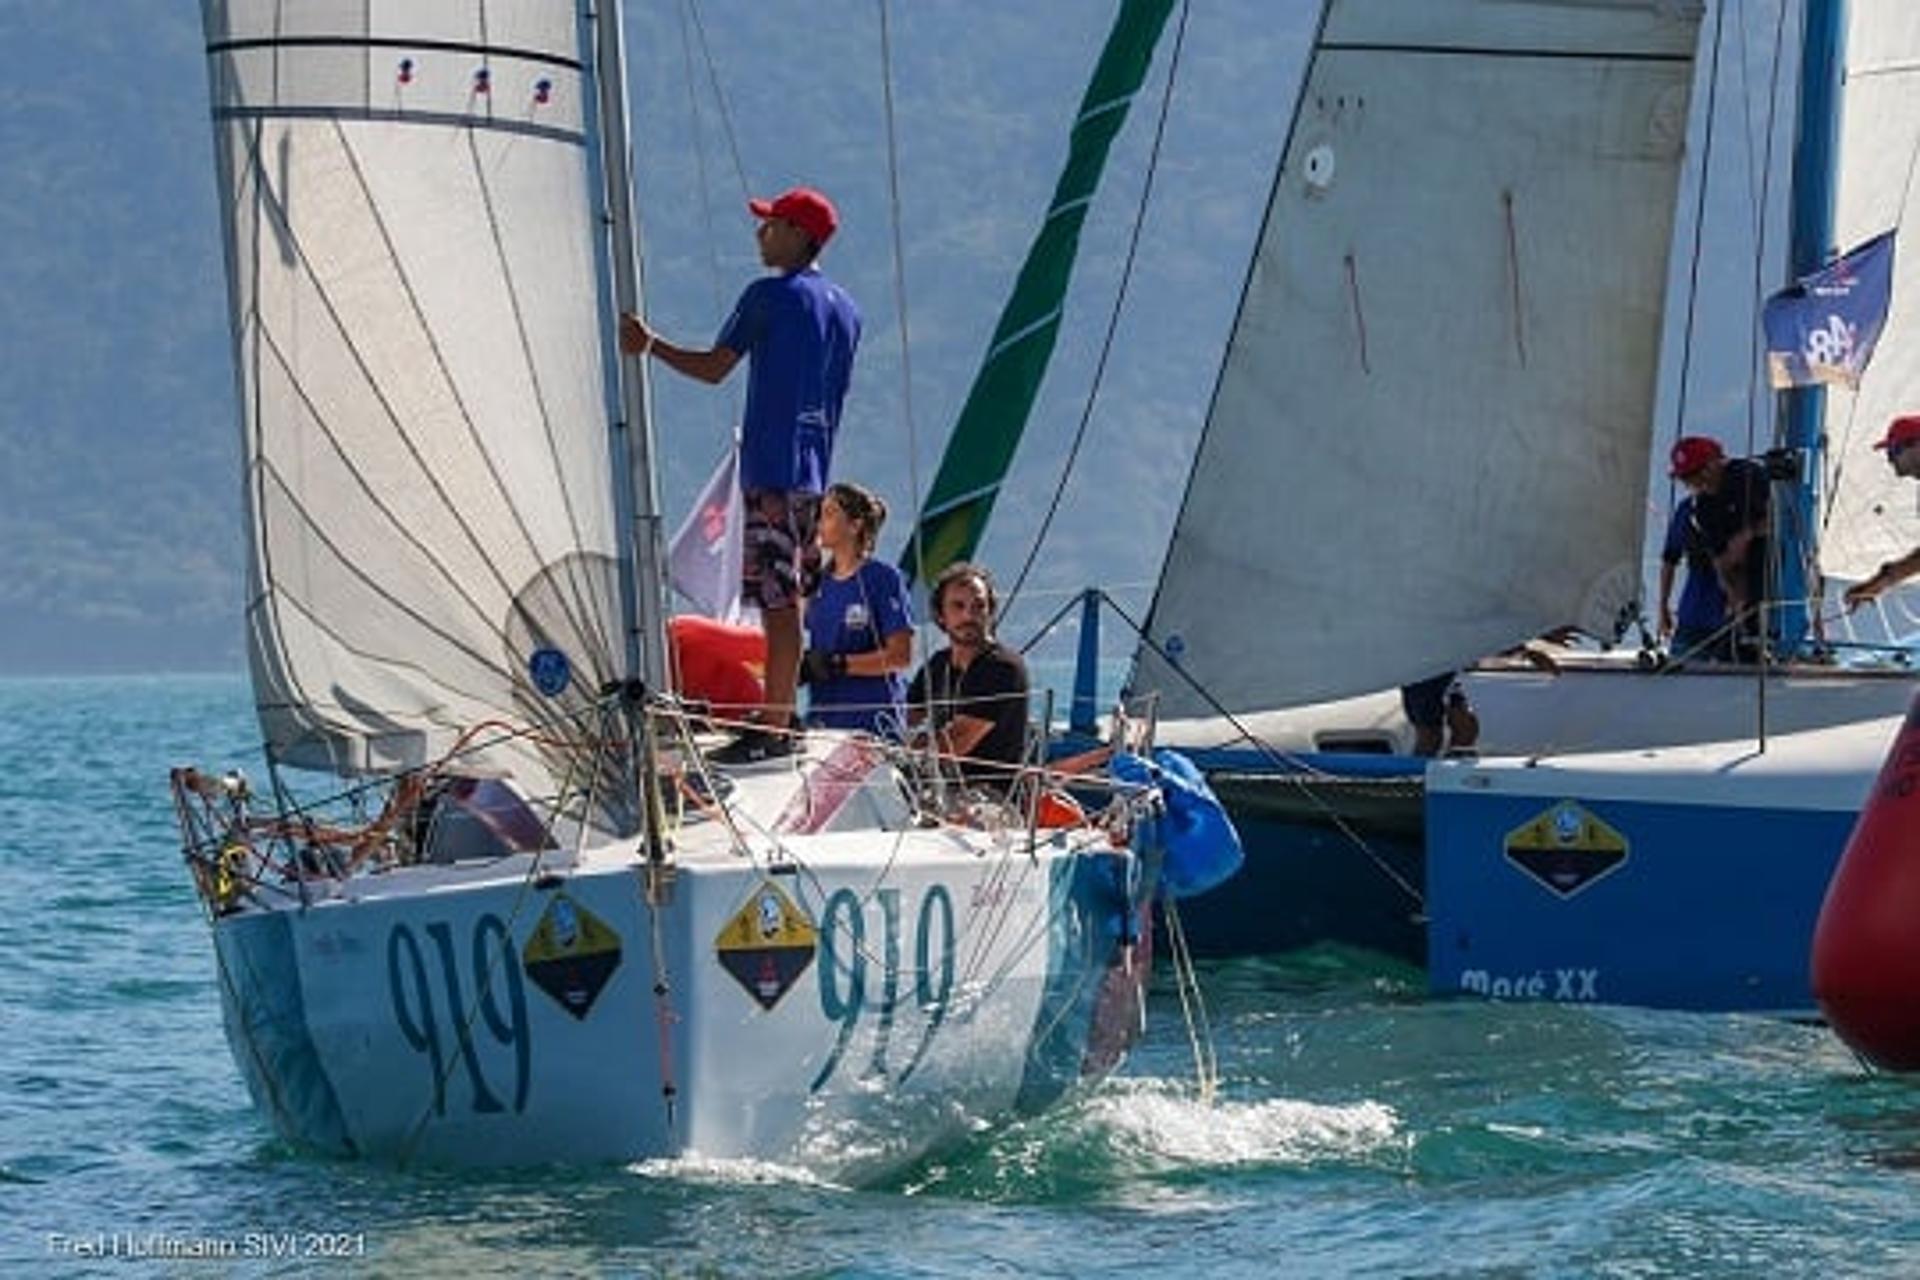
(1359, 1128)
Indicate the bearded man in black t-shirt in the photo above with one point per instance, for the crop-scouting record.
(975, 689)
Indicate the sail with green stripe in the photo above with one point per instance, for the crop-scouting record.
(995, 414)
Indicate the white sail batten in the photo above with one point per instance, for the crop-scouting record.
(1872, 516)
(1430, 434)
(416, 309)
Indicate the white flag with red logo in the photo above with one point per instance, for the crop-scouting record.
(705, 559)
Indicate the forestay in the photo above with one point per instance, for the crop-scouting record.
(1429, 439)
(1872, 517)
(417, 319)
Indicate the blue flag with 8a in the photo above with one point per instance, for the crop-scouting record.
(1822, 327)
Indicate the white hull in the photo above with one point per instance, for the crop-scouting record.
(955, 977)
(1588, 705)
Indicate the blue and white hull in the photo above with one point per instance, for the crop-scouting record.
(1338, 842)
(1684, 877)
(836, 1001)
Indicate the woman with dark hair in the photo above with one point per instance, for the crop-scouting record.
(859, 628)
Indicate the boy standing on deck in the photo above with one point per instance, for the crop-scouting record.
(799, 331)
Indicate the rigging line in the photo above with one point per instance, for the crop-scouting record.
(582, 599)
(1840, 455)
(1699, 233)
(900, 284)
(1836, 459)
(395, 260)
(1002, 898)
(720, 101)
(1273, 755)
(1756, 335)
(723, 409)
(1186, 978)
(1277, 757)
(1113, 315)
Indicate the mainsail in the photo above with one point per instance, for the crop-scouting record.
(1429, 439)
(1872, 517)
(417, 319)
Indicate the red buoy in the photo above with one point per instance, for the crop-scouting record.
(1866, 947)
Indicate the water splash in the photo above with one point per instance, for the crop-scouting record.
(1161, 1123)
(719, 1171)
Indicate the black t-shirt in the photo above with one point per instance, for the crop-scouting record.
(993, 688)
(1740, 501)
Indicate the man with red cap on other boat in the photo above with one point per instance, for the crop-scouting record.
(1902, 443)
(798, 330)
(1729, 526)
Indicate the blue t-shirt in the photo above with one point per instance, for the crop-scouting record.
(1703, 602)
(856, 614)
(798, 332)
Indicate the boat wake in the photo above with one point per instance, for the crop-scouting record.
(720, 1172)
(1146, 1130)
(1163, 1125)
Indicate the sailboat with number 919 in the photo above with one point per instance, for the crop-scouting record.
(528, 922)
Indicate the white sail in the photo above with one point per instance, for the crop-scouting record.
(416, 312)
(1871, 515)
(1429, 438)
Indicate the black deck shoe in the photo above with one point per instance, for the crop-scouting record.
(753, 746)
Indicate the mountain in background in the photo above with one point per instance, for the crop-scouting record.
(120, 517)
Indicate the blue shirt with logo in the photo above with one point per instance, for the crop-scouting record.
(798, 332)
(856, 614)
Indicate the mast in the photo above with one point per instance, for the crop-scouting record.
(1810, 236)
(636, 486)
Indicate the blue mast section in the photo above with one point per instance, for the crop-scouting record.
(1816, 144)
(1086, 670)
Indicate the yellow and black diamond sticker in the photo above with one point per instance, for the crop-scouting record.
(767, 944)
(571, 954)
(1566, 848)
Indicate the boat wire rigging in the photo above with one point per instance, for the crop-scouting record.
(1273, 755)
(1696, 251)
(900, 283)
(1114, 314)
(726, 408)
(1193, 1007)
(1839, 455)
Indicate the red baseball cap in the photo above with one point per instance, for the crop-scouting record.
(805, 208)
(1901, 432)
(1690, 453)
